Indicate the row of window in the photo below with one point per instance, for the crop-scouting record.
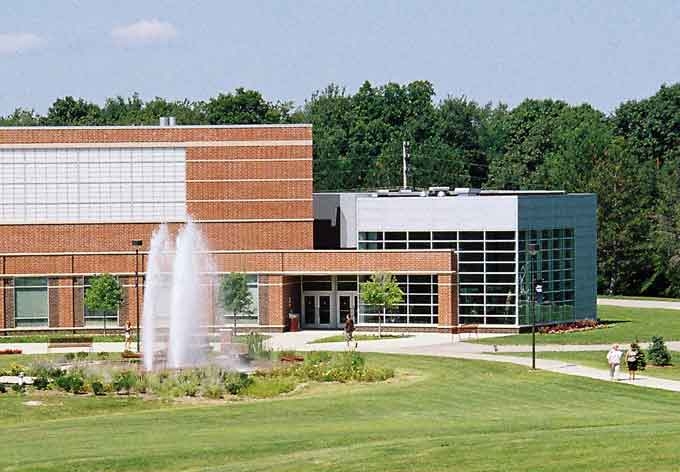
(31, 305)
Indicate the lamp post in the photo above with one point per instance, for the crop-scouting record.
(533, 250)
(137, 243)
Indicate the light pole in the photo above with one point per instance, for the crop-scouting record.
(533, 250)
(137, 243)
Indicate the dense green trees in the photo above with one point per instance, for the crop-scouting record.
(630, 158)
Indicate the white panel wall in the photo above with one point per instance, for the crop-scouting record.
(437, 214)
(92, 185)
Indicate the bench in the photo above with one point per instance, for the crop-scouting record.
(468, 329)
(70, 342)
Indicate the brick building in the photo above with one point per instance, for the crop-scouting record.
(73, 199)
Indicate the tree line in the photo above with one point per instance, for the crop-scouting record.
(630, 157)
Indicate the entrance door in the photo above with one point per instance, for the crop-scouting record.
(317, 310)
(347, 305)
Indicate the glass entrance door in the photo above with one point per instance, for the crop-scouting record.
(347, 305)
(317, 310)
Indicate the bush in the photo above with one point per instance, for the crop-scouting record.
(41, 383)
(235, 382)
(97, 387)
(658, 352)
(214, 391)
(82, 355)
(18, 388)
(256, 347)
(71, 382)
(69, 356)
(2, 388)
(16, 369)
(124, 381)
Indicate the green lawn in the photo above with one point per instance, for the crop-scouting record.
(598, 359)
(627, 325)
(358, 337)
(445, 414)
(43, 338)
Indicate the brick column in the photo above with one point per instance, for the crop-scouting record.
(273, 306)
(80, 301)
(53, 302)
(8, 314)
(128, 309)
(448, 300)
(64, 303)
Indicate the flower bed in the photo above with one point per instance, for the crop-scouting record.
(212, 382)
(10, 351)
(580, 325)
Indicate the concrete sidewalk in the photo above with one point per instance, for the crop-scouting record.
(441, 345)
(629, 303)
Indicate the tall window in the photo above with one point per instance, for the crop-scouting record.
(242, 318)
(31, 303)
(420, 305)
(98, 318)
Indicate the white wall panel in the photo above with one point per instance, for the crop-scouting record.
(92, 185)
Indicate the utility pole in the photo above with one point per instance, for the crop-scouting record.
(405, 162)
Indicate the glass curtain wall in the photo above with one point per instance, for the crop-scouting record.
(487, 268)
(419, 307)
(553, 265)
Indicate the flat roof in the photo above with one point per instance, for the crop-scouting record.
(274, 125)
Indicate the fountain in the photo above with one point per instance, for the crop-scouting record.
(178, 300)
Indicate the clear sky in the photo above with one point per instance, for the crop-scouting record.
(600, 52)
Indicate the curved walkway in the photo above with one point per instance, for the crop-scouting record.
(442, 345)
(630, 303)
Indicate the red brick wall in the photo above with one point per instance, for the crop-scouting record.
(152, 134)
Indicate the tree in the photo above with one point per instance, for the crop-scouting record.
(658, 352)
(381, 292)
(236, 297)
(104, 295)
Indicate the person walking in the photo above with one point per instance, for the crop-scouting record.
(614, 359)
(349, 330)
(632, 356)
(128, 335)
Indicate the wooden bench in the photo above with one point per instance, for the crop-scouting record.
(70, 342)
(468, 329)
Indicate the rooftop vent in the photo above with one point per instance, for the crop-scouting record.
(466, 191)
(167, 121)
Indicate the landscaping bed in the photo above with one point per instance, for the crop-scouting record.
(82, 373)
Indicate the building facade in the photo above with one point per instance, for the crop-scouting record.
(73, 199)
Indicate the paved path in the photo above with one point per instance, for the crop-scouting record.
(433, 344)
(638, 303)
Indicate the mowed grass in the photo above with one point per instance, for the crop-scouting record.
(626, 325)
(358, 337)
(598, 359)
(443, 414)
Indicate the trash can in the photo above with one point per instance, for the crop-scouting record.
(294, 322)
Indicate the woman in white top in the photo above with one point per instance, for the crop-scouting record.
(614, 360)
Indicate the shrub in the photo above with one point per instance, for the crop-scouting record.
(235, 382)
(2, 388)
(317, 357)
(256, 346)
(69, 356)
(82, 355)
(41, 383)
(16, 369)
(19, 388)
(97, 387)
(124, 381)
(71, 382)
(658, 352)
(213, 390)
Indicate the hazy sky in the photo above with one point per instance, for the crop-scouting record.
(601, 52)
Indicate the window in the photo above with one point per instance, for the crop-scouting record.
(31, 304)
(419, 305)
(245, 318)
